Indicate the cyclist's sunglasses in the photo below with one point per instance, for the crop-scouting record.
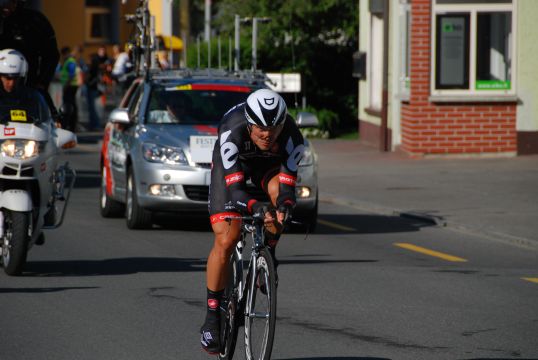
(269, 128)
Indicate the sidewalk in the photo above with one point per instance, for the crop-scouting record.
(492, 197)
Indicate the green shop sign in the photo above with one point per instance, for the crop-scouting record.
(492, 85)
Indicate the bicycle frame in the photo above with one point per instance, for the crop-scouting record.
(257, 235)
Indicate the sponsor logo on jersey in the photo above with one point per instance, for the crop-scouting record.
(287, 179)
(223, 216)
(234, 178)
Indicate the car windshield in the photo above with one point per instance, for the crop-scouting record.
(193, 103)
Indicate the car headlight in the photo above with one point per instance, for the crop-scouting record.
(308, 157)
(164, 154)
(20, 149)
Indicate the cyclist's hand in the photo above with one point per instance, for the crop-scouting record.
(283, 213)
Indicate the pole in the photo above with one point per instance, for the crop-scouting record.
(254, 40)
(218, 44)
(198, 48)
(236, 59)
(207, 22)
(229, 53)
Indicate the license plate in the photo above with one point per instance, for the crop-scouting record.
(202, 148)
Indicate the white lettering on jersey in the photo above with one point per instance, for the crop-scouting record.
(228, 150)
(295, 155)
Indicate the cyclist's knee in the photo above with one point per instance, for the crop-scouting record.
(273, 189)
(226, 235)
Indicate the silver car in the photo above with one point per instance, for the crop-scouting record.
(157, 146)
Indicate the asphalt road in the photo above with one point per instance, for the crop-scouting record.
(364, 286)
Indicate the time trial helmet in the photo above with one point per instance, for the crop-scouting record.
(265, 108)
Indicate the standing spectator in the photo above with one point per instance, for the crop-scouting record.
(95, 86)
(122, 67)
(70, 79)
(31, 33)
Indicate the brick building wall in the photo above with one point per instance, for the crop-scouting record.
(448, 128)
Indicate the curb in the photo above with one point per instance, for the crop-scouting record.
(434, 220)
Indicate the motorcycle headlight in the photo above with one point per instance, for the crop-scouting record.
(20, 149)
(308, 157)
(164, 154)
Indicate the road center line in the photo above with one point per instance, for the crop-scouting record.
(534, 280)
(429, 252)
(335, 225)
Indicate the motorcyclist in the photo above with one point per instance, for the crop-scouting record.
(13, 91)
(29, 32)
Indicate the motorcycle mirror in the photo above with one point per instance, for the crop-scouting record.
(65, 139)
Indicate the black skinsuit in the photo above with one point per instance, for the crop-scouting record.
(236, 158)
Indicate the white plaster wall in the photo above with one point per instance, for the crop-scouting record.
(527, 65)
(364, 45)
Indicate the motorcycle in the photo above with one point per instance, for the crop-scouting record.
(33, 187)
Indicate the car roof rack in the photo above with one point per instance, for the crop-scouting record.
(252, 77)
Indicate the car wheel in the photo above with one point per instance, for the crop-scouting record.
(137, 217)
(108, 207)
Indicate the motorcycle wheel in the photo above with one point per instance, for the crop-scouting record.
(15, 241)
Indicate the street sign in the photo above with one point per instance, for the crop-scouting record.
(284, 82)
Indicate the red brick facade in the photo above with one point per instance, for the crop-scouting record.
(451, 128)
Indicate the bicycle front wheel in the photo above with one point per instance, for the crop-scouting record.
(260, 314)
(229, 323)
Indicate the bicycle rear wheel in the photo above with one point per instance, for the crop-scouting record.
(260, 315)
(229, 312)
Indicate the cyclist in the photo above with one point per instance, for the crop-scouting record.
(29, 32)
(259, 140)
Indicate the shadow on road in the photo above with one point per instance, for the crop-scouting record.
(337, 358)
(88, 179)
(127, 266)
(42, 290)
(124, 266)
(366, 224)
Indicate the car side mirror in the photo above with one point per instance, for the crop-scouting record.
(306, 119)
(65, 139)
(119, 116)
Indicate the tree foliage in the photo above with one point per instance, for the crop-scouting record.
(314, 37)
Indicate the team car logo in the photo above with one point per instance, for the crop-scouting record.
(9, 131)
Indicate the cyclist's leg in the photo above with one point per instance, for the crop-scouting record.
(226, 235)
(271, 185)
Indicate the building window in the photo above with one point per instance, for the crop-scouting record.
(100, 24)
(473, 47)
(452, 52)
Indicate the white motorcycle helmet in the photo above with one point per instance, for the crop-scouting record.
(13, 63)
